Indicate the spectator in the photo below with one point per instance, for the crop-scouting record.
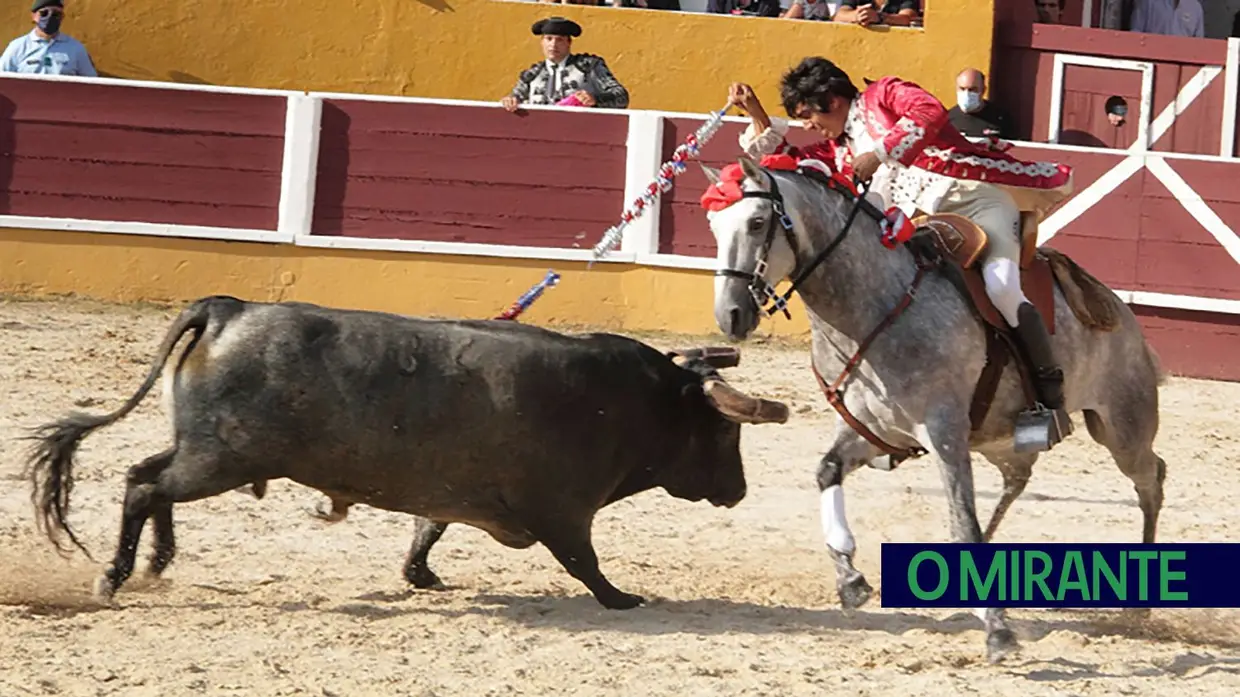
(749, 8)
(1170, 17)
(974, 115)
(46, 51)
(1117, 110)
(821, 10)
(1049, 11)
(566, 78)
(673, 5)
(897, 13)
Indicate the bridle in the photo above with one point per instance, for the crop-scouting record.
(762, 291)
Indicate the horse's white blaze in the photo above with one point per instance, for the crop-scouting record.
(723, 257)
(834, 524)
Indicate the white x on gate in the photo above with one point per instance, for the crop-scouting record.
(1140, 157)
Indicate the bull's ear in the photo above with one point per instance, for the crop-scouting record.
(711, 173)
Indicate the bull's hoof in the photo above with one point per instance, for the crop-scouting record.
(327, 512)
(622, 601)
(1000, 644)
(854, 591)
(424, 579)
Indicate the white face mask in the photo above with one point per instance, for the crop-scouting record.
(968, 100)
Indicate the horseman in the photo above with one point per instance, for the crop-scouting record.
(896, 136)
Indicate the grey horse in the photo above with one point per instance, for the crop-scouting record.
(914, 385)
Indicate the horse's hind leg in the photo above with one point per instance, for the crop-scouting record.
(151, 488)
(946, 432)
(1016, 470)
(1130, 441)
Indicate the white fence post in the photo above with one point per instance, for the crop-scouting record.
(301, 163)
(644, 156)
(1231, 83)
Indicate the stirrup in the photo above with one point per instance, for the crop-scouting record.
(1039, 429)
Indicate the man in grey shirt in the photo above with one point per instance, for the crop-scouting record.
(1168, 17)
(46, 51)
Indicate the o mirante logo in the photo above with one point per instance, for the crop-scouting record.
(1059, 575)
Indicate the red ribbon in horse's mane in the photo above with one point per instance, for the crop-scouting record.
(728, 190)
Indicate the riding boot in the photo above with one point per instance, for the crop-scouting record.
(1036, 340)
(1048, 376)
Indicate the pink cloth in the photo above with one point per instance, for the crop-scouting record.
(570, 100)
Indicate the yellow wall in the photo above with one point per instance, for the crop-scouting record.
(473, 49)
(129, 268)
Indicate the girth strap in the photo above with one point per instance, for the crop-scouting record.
(835, 396)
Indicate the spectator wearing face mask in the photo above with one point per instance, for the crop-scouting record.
(45, 50)
(973, 115)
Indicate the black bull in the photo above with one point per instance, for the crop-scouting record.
(516, 430)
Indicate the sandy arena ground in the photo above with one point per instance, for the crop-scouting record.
(264, 600)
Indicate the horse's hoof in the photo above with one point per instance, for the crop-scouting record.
(854, 592)
(424, 579)
(103, 592)
(1000, 644)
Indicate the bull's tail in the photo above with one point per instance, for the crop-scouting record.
(49, 464)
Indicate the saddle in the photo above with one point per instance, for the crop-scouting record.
(954, 242)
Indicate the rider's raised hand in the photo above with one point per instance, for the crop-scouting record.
(742, 96)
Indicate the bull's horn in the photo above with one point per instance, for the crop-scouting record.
(742, 408)
(717, 357)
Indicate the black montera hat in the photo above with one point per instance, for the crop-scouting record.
(557, 26)
(40, 4)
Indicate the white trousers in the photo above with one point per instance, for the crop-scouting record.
(996, 212)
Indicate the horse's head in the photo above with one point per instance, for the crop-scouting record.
(756, 242)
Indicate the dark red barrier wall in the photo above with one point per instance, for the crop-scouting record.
(104, 152)
(1140, 237)
(448, 173)
(1198, 344)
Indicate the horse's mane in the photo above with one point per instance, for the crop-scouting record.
(821, 183)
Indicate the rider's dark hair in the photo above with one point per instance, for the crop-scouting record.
(812, 83)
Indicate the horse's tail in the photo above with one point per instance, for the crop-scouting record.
(50, 462)
(1095, 305)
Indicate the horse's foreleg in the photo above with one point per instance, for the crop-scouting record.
(850, 584)
(947, 435)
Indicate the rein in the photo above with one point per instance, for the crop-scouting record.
(763, 292)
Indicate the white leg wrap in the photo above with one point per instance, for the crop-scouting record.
(1002, 277)
(834, 524)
